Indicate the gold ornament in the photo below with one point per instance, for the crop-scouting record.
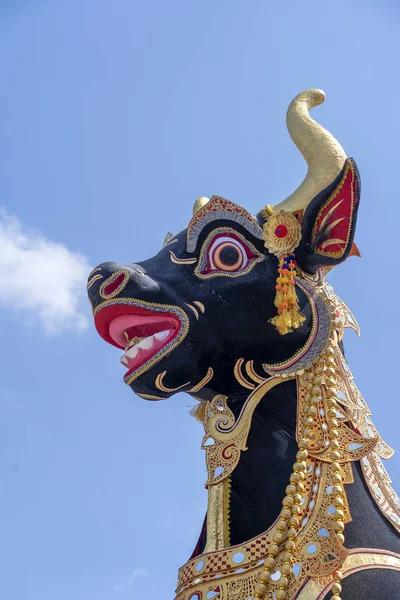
(281, 233)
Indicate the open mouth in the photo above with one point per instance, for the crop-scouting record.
(146, 335)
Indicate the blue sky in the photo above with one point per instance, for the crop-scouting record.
(114, 118)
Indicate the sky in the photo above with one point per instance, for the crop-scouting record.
(114, 118)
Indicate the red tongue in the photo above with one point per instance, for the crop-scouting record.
(143, 326)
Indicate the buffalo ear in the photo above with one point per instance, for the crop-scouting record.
(329, 222)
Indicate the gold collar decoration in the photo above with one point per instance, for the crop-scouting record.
(305, 548)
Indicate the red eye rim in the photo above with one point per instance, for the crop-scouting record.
(250, 256)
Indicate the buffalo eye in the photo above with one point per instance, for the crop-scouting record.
(227, 255)
(226, 252)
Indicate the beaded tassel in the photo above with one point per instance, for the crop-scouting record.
(289, 316)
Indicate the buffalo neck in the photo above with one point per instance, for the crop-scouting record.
(257, 485)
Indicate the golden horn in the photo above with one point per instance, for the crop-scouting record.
(324, 155)
(200, 202)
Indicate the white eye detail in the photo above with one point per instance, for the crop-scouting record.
(227, 254)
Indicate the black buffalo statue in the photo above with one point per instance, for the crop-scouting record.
(200, 317)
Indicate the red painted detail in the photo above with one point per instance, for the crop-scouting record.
(114, 284)
(281, 231)
(142, 322)
(336, 216)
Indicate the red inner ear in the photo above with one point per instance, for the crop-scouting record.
(332, 228)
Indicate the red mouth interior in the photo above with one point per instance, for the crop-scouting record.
(112, 322)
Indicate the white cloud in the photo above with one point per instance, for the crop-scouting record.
(138, 572)
(42, 280)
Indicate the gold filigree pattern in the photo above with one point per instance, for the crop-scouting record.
(226, 438)
(337, 437)
(281, 233)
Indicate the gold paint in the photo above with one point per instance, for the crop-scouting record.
(163, 388)
(266, 212)
(200, 202)
(227, 511)
(194, 311)
(203, 382)
(200, 305)
(357, 560)
(243, 424)
(132, 342)
(230, 436)
(251, 372)
(215, 518)
(95, 278)
(324, 155)
(94, 271)
(289, 242)
(239, 377)
(181, 261)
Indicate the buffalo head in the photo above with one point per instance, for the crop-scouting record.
(185, 316)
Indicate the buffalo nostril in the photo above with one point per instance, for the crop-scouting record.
(114, 284)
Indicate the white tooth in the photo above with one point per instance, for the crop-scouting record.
(161, 335)
(145, 344)
(124, 360)
(132, 352)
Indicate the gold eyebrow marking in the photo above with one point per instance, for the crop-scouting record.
(95, 278)
(181, 261)
(200, 306)
(192, 308)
